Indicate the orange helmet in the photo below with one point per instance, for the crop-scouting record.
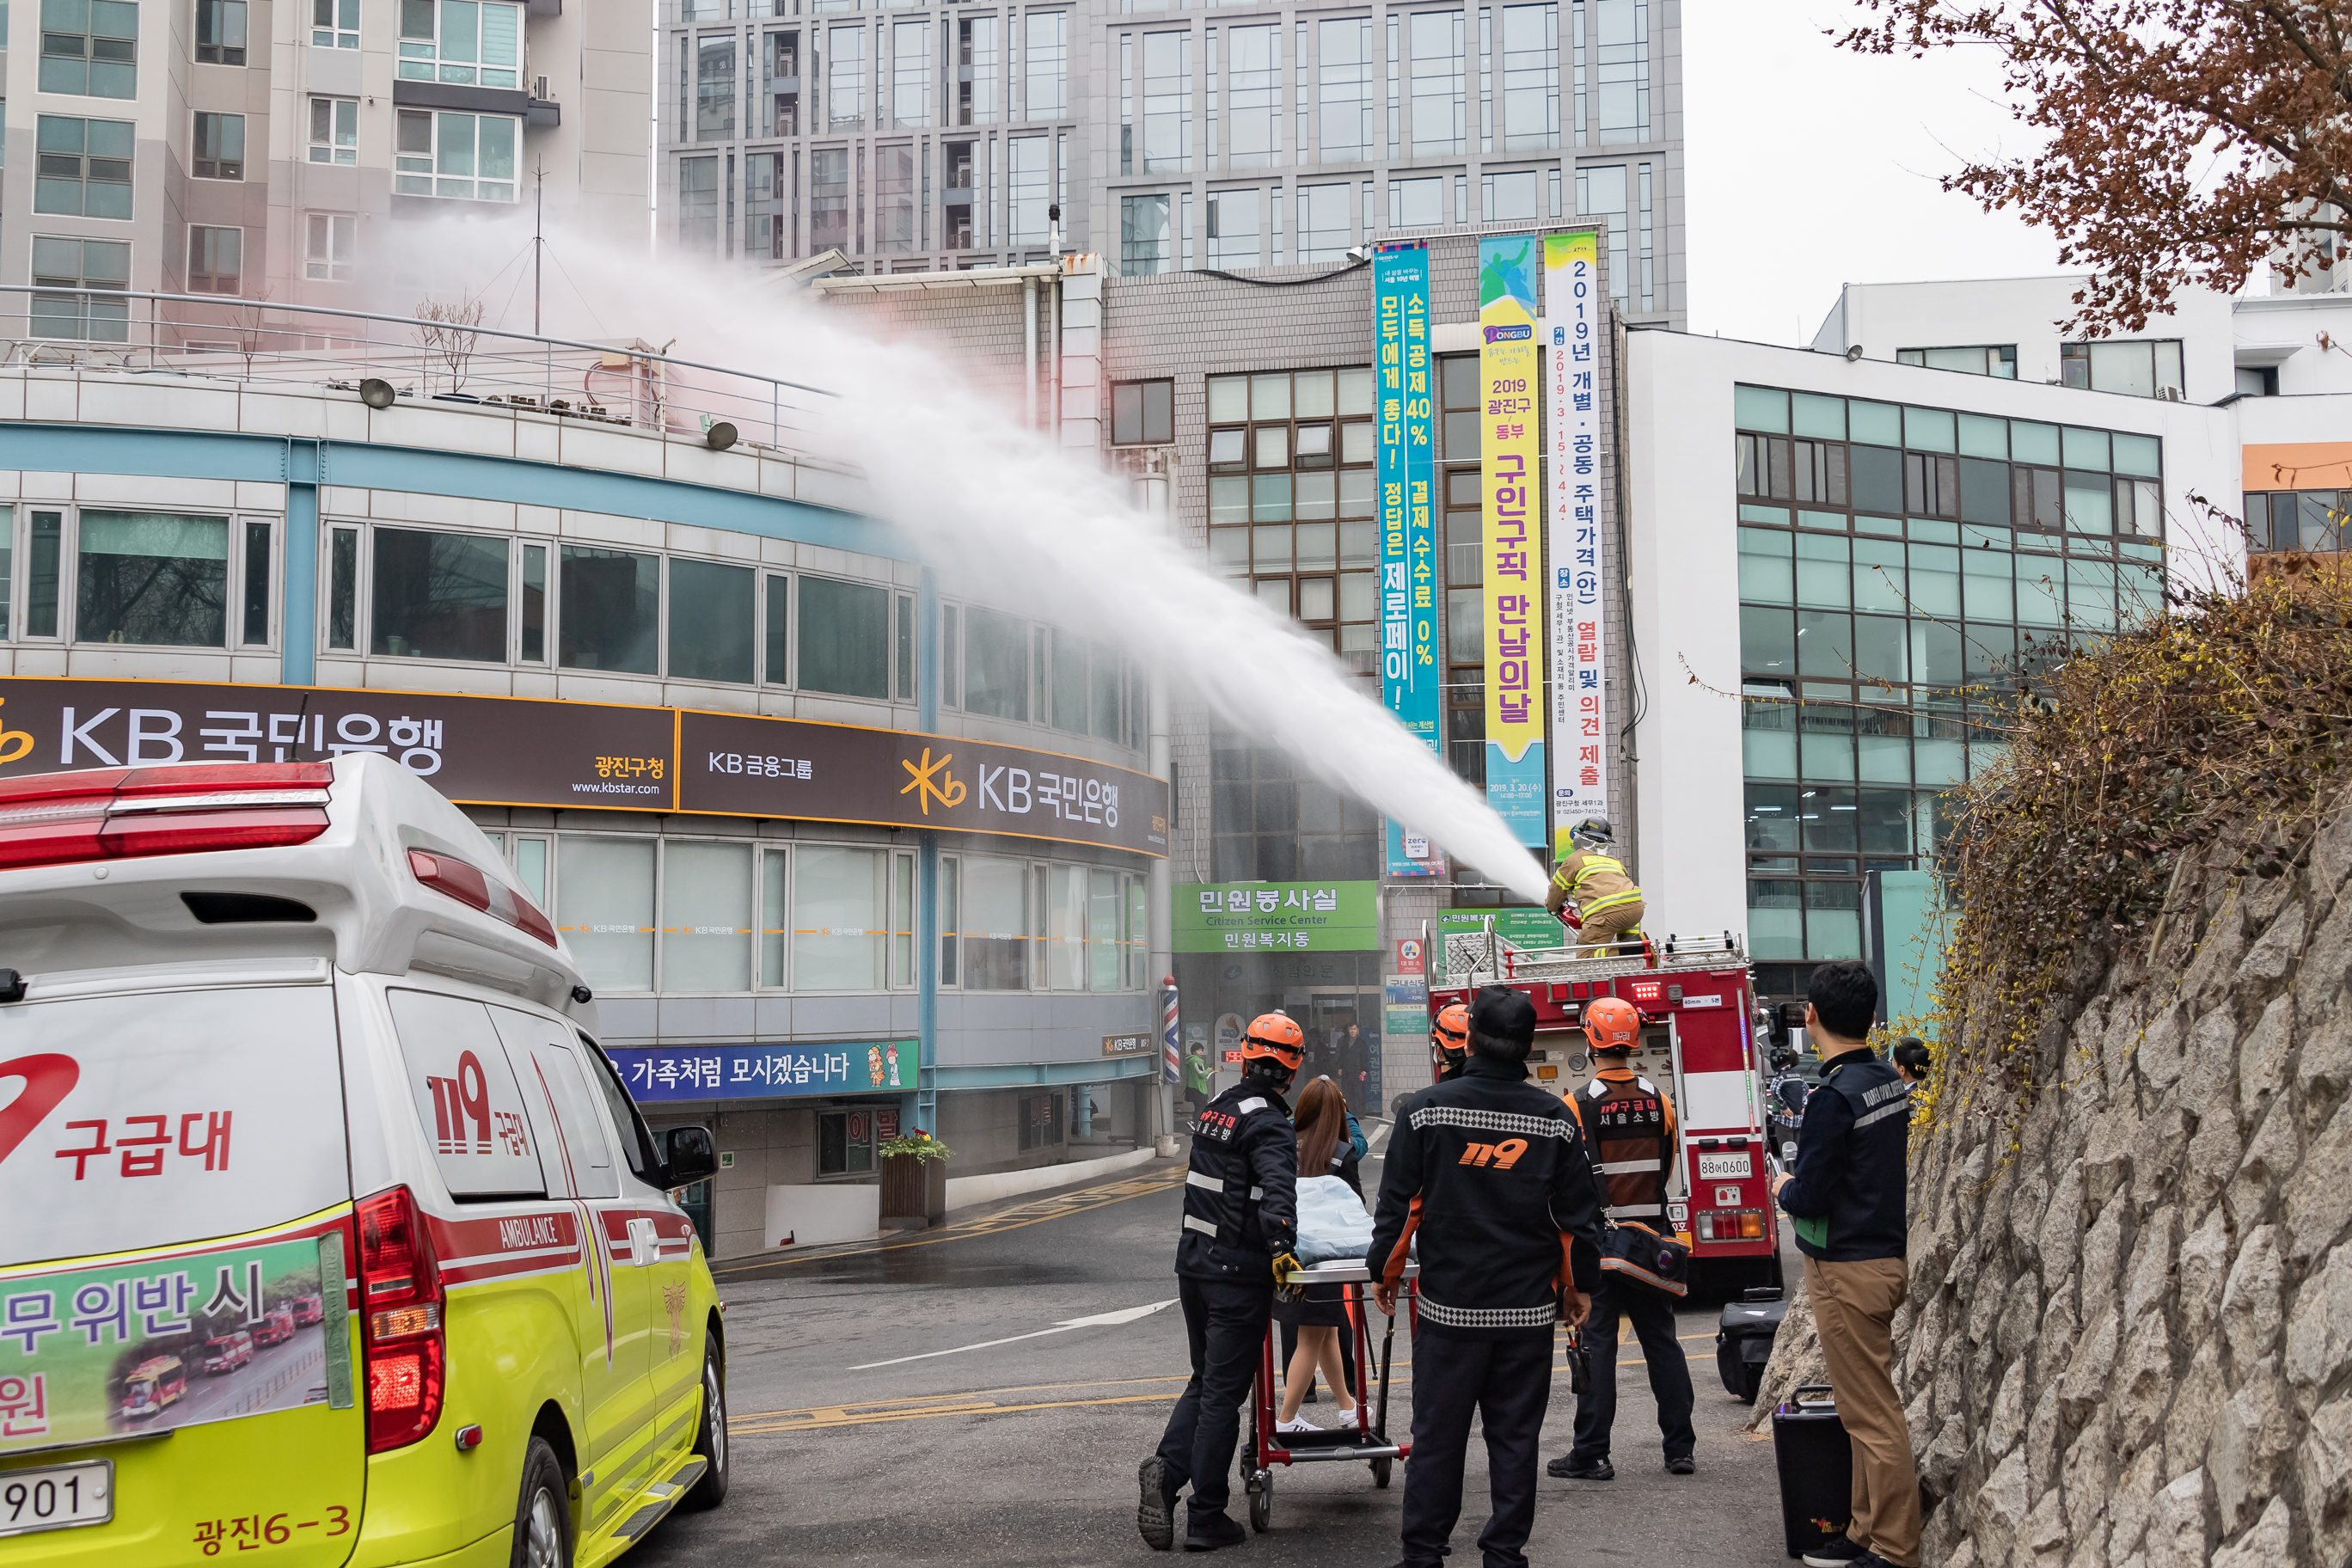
(1612, 1025)
(1451, 1033)
(1273, 1037)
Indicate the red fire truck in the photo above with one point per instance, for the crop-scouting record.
(1698, 1043)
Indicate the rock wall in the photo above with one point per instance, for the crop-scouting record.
(2128, 1337)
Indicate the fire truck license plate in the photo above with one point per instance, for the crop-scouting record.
(1721, 1167)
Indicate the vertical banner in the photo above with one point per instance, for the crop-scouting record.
(1579, 603)
(1510, 375)
(1406, 475)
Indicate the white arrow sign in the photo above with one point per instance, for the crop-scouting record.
(1100, 1320)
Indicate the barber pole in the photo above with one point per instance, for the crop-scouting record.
(1171, 1064)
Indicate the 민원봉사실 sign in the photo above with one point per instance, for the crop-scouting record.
(1258, 917)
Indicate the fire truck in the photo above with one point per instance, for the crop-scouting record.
(1699, 1042)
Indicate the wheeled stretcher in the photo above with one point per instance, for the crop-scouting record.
(1367, 1438)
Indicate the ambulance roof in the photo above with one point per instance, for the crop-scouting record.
(355, 859)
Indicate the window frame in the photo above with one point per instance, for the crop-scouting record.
(335, 271)
(196, 159)
(339, 153)
(86, 163)
(221, 10)
(122, 50)
(436, 119)
(236, 278)
(235, 564)
(1141, 394)
(339, 28)
(417, 56)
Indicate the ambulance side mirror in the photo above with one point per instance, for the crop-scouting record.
(691, 1156)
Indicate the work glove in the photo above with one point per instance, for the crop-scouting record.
(1286, 1266)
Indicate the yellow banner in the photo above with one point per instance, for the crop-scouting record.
(1511, 443)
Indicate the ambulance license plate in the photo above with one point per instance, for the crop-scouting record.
(58, 1496)
(1722, 1167)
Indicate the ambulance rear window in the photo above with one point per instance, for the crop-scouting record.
(467, 1102)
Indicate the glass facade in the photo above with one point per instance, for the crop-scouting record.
(1900, 568)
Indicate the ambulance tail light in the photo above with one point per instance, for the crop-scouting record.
(112, 814)
(447, 875)
(401, 1309)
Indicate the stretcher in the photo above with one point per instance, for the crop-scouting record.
(1368, 1439)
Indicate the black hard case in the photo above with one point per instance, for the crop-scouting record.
(1816, 1463)
(1743, 1341)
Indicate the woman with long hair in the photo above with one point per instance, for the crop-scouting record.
(1319, 1312)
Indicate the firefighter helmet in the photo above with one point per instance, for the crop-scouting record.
(1274, 1037)
(1592, 833)
(1612, 1025)
(1449, 1035)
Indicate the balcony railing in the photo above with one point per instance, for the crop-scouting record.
(402, 360)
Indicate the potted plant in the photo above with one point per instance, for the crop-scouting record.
(914, 1180)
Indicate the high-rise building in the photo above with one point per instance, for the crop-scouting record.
(1170, 138)
(263, 151)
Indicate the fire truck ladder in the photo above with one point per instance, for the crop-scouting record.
(1486, 958)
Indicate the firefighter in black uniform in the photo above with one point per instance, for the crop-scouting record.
(1492, 1176)
(1240, 1232)
(1449, 1040)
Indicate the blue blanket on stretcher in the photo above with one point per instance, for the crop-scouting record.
(1332, 1221)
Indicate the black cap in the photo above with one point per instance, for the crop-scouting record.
(1504, 1015)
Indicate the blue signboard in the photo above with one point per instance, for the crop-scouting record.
(659, 1073)
(1406, 475)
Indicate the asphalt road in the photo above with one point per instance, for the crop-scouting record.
(858, 1441)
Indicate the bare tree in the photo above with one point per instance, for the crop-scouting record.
(445, 334)
(252, 331)
(2190, 141)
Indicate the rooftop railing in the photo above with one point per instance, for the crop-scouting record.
(411, 361)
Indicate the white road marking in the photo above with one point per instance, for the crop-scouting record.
(1100, 1320)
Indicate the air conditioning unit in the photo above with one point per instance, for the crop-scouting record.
(539, 90)
(2171, 394)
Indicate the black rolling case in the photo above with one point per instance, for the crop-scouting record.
(1743, 1341)
(1816, 1465)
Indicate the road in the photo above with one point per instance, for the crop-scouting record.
(1024, 1452)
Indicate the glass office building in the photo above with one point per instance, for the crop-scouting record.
(1903, 571)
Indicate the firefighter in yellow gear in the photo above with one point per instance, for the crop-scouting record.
(1608, 916)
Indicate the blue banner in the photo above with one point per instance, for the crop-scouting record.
(655, 1074)
(1410, 671)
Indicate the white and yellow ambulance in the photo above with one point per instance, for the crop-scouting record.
(282, 1041)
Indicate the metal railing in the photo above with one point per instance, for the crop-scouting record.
(419, 361)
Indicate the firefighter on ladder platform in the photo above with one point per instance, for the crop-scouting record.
(1608, 912)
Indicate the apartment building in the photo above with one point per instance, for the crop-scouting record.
(263, 150)
(1170, 137)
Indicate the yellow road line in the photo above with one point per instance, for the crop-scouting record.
(1035, 1213)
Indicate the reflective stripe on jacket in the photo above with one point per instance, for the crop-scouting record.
(1241, 1191)
(1632, 1126)
(1595, 882)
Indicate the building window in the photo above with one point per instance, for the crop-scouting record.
(1167, 102)
(219, 146)
(989, 924)
(2141, 369)
(83, 167)
(461, 43)
(698, 203)
(1143, 236)
(1417, 203)
(1033, 188)
(80, 264)
(152, 578)
(828, 199)
(89, 47)
(335, 24)
(845, 86)
(1234, 233)
(1274, 822)
(1041, 1121)
(711, 635)
(220, 32)
(1290, 499)
(911, 74)
(1324, 227)
(1254, 97)
(895, 198)
(1142, 411)
(714, 88)
(845, 1143)
(1621, 35)
(1509, 197)
(470, 157)
(335, 130)
(609, 611)
(2297, 519)
(604, 908)
(1045, 62)
(1999, 360)
(1531, 77)
(978, 68)
(214, 256)
(852, 912)
(844, 638)
(706, 903)
(1344, 66)
(329, 240)
(1963, 551)
(1438, 124)
(439, 595)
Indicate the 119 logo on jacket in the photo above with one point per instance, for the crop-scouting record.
(1502, 1156)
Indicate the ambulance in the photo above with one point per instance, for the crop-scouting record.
(289, 1032)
